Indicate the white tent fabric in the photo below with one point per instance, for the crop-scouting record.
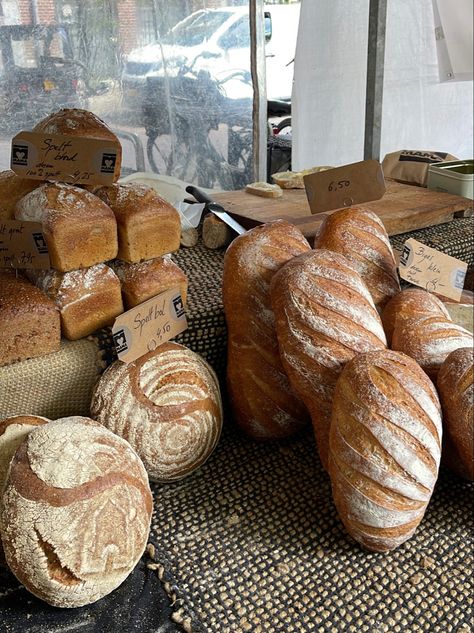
(328, 107)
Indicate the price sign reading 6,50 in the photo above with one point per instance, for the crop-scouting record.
(337, 185)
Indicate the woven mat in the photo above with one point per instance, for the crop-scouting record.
(252, 543)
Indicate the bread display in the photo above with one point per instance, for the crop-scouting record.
(148, 226)
(324, 316)
(29, 320)
(76, 512)
(88, 299)
(263, 402)
(145, 280)
(456, 392)
(80, 230)
(385, 447)
(82, 123)
(410, 304)
(360, 236)
(167, 404)
(12, 188)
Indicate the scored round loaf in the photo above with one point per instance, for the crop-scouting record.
(82, 123)
(324, 315)
(167, 404)
(410, 304)
(264, 404)
(79, 229)
(76, 512)
(385, 447)
(12, 188)
(360, 236)
(456, 392)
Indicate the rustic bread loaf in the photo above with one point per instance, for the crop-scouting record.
(82, 123)
(360, 236)
(80, 230)
(385, 447)
(12, 188)
(76, 512)
(408, 305)
(148, 225)
(147, 279)
(324, 316)
(167, 404)
(263, 403)
(88, 299)
(456, 392)
(29, 320)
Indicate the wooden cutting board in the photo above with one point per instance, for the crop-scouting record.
(403, 208)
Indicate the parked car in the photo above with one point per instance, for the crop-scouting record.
(38, 74)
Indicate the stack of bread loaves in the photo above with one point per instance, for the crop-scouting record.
(85, 232)
(375, 412)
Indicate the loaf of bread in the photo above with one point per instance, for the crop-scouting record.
(410, 304)
(80, 230)
(12, 188)
(29, 320)
(147, 279)
(456, 391)
(385, 447)
(76, 122)
(167, 404)
(88, 299)
(295, 179)
(148, 226)
(360, 236)
(76, 512)
(324, 315)
(263, 403)
(430, 340)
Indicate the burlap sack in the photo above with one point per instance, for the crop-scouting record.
(410, 166)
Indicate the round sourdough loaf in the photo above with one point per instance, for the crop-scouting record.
(385, 447)
(456, 391)
(167, 404)
(76, 512)
(360, 236)
(324, 315)
(12, 188)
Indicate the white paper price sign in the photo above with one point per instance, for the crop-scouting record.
(428, 268)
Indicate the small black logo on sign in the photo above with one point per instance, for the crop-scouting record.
(41, 246)
(178, 306)
(20, 154)
(108, 163)
(404, 256)
(120, 342)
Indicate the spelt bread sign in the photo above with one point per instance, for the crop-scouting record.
(344, 186)
(22, 245)
(148, 325)
(76, 160)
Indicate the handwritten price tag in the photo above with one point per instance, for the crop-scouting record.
(148, 325)
(22, 245)
(344, 186)
(428, 268)
(66, 158)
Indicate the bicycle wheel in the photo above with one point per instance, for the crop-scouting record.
(284, 126)
(162, 152)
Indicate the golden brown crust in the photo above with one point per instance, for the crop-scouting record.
(29, 320)
(148, 226)
(456, 390)
(76, 122)
(324, 315)
(80, 230)
(385, 446)
(12, 188)
(167, 404)
(263, 402)
(360, 236)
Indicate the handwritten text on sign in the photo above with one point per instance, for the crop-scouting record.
(148, 325)
(432, 270)
(22, 245)
(66, 158)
